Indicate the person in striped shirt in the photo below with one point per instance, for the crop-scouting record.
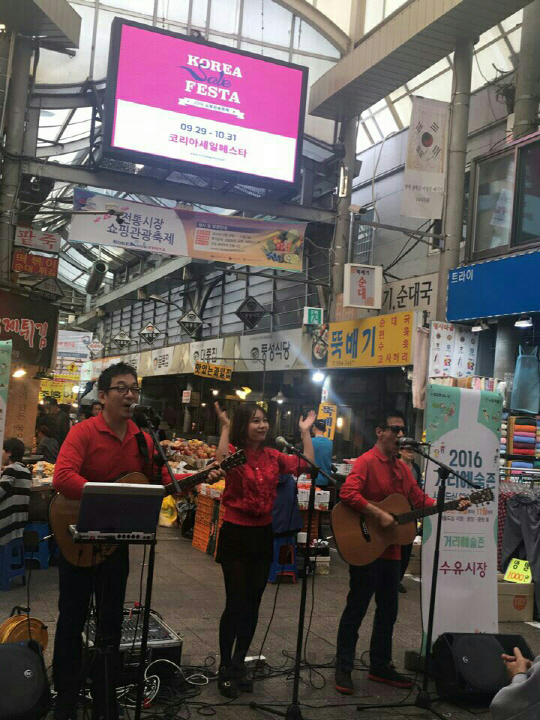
(15, 483)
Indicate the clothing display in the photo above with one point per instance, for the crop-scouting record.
(526, 390)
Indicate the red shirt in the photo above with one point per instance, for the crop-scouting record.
(373, 478)
(92, 452)
(250, 490)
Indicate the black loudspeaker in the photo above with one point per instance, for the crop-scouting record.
(24, 690)
(468, 666)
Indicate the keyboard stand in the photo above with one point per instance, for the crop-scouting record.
(107, 706)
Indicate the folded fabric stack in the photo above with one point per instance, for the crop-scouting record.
(524, 436)
(519, 465)
(538, 434)
(504, 433)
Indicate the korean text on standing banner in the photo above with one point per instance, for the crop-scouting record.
(463, 427)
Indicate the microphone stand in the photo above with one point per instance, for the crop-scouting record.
(294, 712)
(423, 699)
(150, 580)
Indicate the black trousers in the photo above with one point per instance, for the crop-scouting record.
(380, 578)
(108, 581)
(406, 551)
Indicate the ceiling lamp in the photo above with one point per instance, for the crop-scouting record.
(279, 398)
(524, 321)
(19, 372)
(243, 392)
(318, 377)
(479, 326)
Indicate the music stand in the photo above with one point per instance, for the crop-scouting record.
(107, 708)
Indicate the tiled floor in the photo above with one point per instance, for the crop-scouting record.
(188, 592)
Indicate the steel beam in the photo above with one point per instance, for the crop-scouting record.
(139, 184)
(319, 21)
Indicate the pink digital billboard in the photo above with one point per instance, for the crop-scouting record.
(180, 99)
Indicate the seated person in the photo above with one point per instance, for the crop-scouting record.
(46, 444)
(520, 700)
(15, 483)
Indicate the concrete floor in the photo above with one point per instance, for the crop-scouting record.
(188, 592)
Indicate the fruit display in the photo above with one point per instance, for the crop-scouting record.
(283, 247)
(194, 453)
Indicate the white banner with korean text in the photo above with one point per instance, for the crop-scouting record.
(279, 350)
(463, 427)
(425, 167)
(207, 351)
(453, 350)
(416, 293)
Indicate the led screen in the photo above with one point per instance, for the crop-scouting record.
(180, 99)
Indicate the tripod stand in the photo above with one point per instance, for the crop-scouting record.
(423, 699)
(294, 712)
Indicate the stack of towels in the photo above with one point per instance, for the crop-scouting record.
(538, 434)
(524, 438)
(504, 432)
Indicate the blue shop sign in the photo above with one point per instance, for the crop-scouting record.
(505, 286)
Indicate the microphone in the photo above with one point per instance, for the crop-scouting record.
(282, 443)
(138, 408)
(410, 442)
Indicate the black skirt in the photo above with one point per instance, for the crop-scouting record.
(245, 542)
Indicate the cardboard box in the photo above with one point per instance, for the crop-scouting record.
(322, 565)
(516, 601)
(322, 499)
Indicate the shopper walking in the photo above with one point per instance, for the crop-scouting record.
(57, 420)
(245, 547)
(46, 445)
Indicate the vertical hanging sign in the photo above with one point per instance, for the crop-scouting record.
(5, 364)
(463, 428)
(425, 166)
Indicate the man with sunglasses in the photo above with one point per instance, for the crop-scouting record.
(376, 474)
(101, 449)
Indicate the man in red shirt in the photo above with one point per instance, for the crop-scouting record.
(376, 475)
(100, 449)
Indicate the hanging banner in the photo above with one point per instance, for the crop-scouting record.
(206, 351)
(452, 350)
(30, 325)
(362, 286)
(279, 350)
(73, 345)
(216, 372)
(5, 369)
(380, 341)
(60, 387)
(425, 167)
(211, 237)
(417, 293)
(22, 408)
(463, 427)
(328, 413)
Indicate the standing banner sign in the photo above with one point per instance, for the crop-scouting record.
(452, 350)
(217, 238)
(425, 167)
(463, 427)
(5, 371)
(328, 412)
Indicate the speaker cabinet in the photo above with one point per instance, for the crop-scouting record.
(24, 691)
(468, 666)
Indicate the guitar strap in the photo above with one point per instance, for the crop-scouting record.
(156, 460)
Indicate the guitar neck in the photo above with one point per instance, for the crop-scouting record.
(189, 482)
(425, 512)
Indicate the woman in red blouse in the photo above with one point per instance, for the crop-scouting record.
(245, 547)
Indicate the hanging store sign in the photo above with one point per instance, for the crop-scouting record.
(22, 409)
(206, 351)
(418, 293)
(48, 289)
(425, 166)
(362, 286)
(122, 340)
(5, 372)
(453, 350)
(279, 350)
(213, 107)
(191, 323)
(95, 346)
(380, 341)
(31, 326)
(150, 333)
(73, 345)
(34, 239)
(505, 286)
(250, 312)
(186, 397)
(162, 361)
(216, 238)
(328, 412)
(24, 262)
(463, 427)
(86, 372)
(216, 372)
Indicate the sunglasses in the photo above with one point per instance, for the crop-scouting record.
(397, 428)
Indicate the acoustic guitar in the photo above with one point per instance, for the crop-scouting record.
(64, 512)
(361, 540)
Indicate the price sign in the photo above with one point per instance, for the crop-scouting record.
(518, 571)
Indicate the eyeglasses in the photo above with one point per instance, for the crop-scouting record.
(397, 428)
(124, 389)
